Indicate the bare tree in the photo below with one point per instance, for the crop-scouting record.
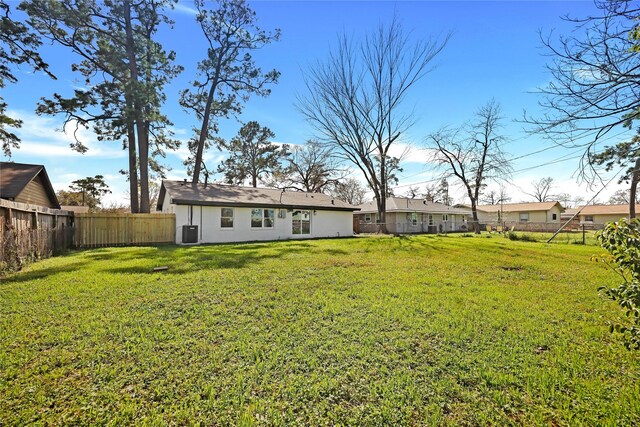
(541, 189)
(349, 190)
(495, 197)
(594, 89)
(413, 192)
(312, 168)
(474, 156)
(354, 100)
(621, 197)
(570, 200)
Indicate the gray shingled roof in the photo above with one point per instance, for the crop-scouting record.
(14, 177)
(401, 204)
(186, 193)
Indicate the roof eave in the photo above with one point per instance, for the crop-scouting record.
(256, 205)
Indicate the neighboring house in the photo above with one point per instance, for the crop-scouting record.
(510, 213)
(405, 215)
(216, 213)
(24, 183)
(570, 214)
(598, 215)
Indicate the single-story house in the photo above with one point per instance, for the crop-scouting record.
(25, 183)
(510, 213)
(216, 213)
(598, 215)
(405, 215)
(570, 214)
(27, 199)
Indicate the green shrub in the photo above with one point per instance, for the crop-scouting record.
(521, 237)
(622, 241)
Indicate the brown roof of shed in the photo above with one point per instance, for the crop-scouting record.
(607, 210)
(14, 177)
(187, 193)
(403, 204)
(519, 207)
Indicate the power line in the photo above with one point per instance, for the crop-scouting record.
(560, 146)
(587, 204)
(564, 158)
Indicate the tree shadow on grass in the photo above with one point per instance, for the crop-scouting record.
(41, 273)
(179, 260)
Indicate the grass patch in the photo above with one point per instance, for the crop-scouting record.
(369, 331)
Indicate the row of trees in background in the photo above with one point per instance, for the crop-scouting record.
(125, 70)
(354, 98)
(310, 167)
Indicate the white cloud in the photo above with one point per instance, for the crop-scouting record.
(183, 8)
(410, 153)
(42, 136)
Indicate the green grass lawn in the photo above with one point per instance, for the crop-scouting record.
(383, 331)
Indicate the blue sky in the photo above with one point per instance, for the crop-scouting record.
(494, 52)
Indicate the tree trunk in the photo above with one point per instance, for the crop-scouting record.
(635, 178)
(382, 204)
(141, 129)
(133, 168)
(474, 216)
(254, 181)
(383, 215)
(204, 130)
(143, 146)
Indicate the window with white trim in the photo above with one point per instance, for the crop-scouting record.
(445, 217)
(301, 222)
(588, 218)
(262, 218)
(226, 218)
(430, 219)
(367, 217)
(524, 216)
(413, 218)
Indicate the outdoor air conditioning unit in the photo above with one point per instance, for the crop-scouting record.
(189, 234)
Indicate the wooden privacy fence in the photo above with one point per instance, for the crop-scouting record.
(30, 232)
(109, 229)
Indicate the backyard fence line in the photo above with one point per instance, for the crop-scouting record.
(413, 228)
(468, 226)
(120, 229)
(30, 232)
(542, 227)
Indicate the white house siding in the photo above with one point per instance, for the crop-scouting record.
(207, 218)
